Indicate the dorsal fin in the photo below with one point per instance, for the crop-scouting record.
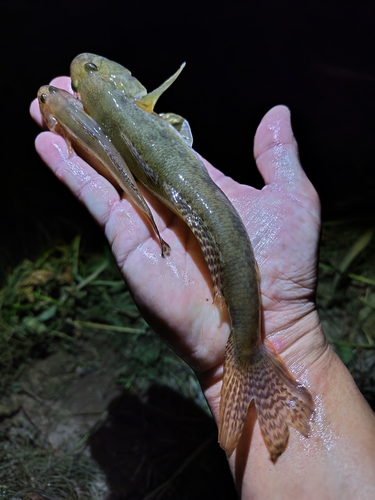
(148, 101)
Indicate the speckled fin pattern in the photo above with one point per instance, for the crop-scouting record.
(205, 239)
(280, 401)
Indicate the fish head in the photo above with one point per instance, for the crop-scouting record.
(52, 99)
(44, 99)
(118, 75)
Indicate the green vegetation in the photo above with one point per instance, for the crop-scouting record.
(93, 405)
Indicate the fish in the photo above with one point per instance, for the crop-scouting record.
(64, 114)
(158, 151)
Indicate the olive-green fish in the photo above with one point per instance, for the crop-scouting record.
(158, 151)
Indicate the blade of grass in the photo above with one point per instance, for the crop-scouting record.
(100, 326)
(75, 246)
(362, 279)
(352, 254)
(368, 336)
(93, 275)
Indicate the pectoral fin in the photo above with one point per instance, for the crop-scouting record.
(181, 125)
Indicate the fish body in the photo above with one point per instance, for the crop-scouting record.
(174, 173)
(157, 150)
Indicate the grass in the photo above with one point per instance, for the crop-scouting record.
(346, 297)
(93, 405)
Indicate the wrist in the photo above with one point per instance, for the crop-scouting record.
(342, 429)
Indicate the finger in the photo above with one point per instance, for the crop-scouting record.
(63, 82)
(93, 190)
(35, 112)
(276, 151)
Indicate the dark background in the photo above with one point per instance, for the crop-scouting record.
(242, 58)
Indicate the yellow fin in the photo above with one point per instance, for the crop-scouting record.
(279, 399)
(148, 101)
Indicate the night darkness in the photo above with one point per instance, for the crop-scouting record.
(242, 59)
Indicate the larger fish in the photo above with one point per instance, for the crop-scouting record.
(162, 159)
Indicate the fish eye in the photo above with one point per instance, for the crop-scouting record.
(90, 66)
(52, 90)
(43, 98)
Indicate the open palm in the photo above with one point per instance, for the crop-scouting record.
(175, 293)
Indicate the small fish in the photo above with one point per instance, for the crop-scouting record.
(64, 114)
(160, 156)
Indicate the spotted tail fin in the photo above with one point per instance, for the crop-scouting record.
(279, 399)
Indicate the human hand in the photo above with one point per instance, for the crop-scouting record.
(175, 296)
